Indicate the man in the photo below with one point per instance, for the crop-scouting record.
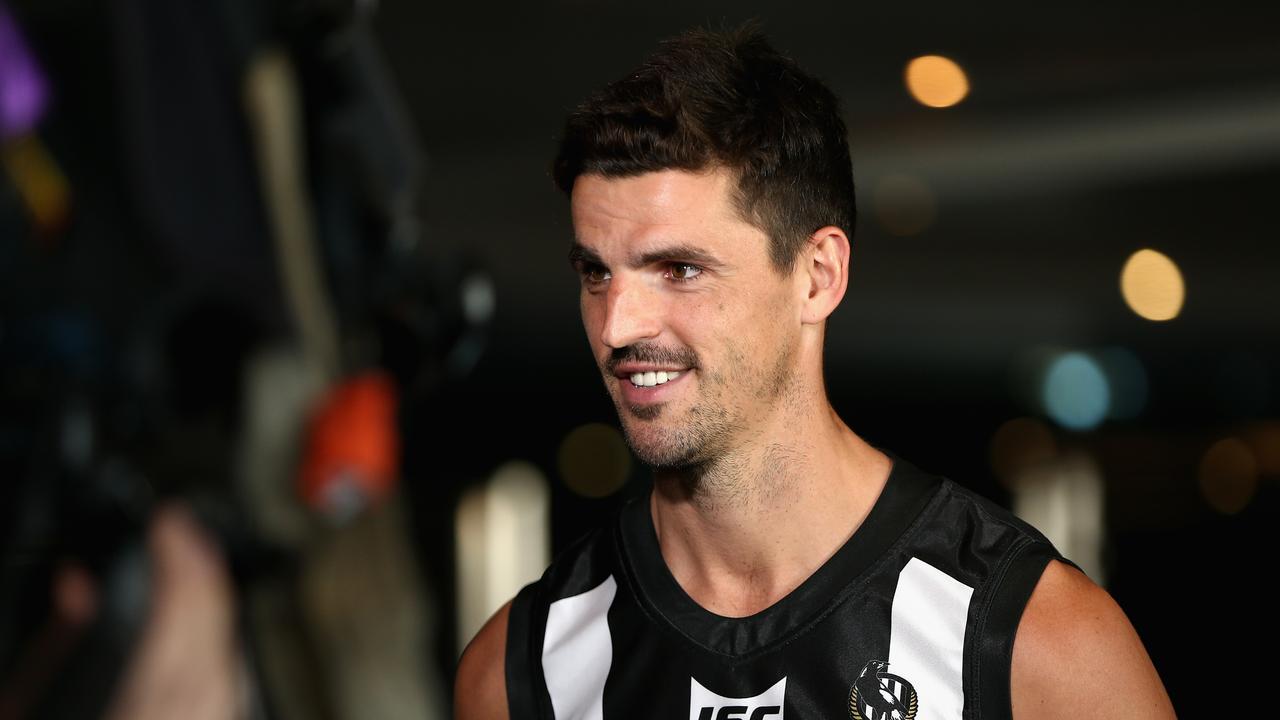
(781, 566)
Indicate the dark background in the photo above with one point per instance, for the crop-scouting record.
(1090, 131)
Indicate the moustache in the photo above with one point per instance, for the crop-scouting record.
(648, 353)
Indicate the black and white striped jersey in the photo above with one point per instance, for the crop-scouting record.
(914, 617)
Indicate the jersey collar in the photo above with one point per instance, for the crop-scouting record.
(906, 493)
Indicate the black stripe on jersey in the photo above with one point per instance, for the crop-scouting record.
(526, 688)
(995, 652)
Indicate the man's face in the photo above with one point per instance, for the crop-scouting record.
(676, 284)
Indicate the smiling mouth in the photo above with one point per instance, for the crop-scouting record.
(652, 379)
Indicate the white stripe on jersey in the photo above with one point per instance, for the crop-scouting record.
(577, 651)
(926, 641)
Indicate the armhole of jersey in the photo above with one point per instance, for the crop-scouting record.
(996, 654)
(521, 668)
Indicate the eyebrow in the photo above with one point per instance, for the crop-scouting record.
(581, 253)
(678, 252)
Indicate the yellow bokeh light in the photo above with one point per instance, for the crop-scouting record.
(38, 180)
(1228, 475)
(1152, 285)
(936, 81)
(594, 460)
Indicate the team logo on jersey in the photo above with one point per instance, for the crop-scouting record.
(706, 705)
(880, 695)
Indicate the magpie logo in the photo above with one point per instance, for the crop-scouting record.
(706, 705)
(880, 695)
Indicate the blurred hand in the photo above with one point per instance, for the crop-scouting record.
(186, 663)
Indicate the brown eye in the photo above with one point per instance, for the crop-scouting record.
(594, 274)
(684, 271)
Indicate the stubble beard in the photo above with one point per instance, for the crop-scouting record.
(696, 445)
(692, 443)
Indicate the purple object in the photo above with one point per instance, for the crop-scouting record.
(23, 90)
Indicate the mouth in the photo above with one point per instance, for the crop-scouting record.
(649, 385)
(652, 378)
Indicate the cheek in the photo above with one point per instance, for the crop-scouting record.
(758, 314)
(697, 322)
(760, 329)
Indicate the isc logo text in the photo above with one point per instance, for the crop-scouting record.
(706, 705)
(739, 712)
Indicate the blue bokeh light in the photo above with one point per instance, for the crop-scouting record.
(1076, 393)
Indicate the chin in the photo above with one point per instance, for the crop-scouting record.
(658, 449)
(662, 458)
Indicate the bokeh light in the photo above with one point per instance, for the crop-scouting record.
(1228, 475)
(936, 81)
(478, 297)
(594, 460)
(39, 181)
(1152, 285)
(904, 204)
(1075, 391)
(503, 541)
(1019, 445)
(1063, 498)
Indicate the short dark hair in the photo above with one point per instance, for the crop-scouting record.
(707, 100)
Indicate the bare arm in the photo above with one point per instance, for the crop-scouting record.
(480, 692)
(1075, 652)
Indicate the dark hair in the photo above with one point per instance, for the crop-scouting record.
(708, 99)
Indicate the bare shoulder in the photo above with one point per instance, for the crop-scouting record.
(480, 691)
(1074, 642)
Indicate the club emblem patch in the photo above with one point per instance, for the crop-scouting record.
(880, 695)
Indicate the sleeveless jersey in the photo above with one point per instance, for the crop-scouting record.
(912, 618)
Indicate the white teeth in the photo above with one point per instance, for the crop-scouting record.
(650, 379)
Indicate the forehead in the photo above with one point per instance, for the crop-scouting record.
(668, 202)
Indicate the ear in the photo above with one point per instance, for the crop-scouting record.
(826, 272)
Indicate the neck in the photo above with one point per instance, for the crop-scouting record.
(743, 531)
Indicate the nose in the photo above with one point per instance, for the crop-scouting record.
(631, 314)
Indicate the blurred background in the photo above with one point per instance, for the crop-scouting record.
(301, 265)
